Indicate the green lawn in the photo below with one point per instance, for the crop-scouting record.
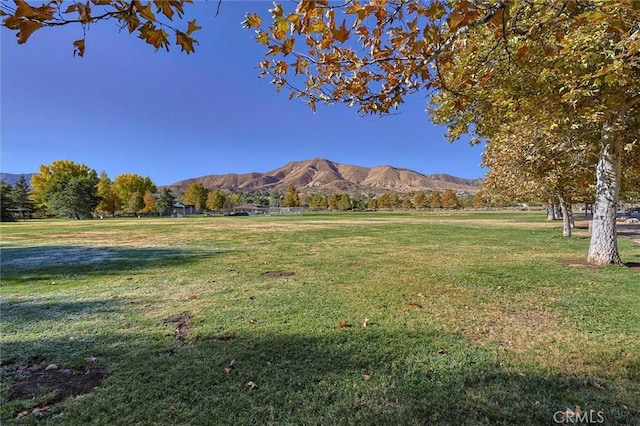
(378, 318)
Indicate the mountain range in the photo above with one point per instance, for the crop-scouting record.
(324, 176)
(319, 175)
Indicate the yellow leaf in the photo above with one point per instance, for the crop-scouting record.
(156, 38)
(252, 21)
(132, 23)
(26, 29)
(435, 10)
(192, 27)
(185, 42)
(164, 7)
(78, 48)
(277, 10)
(146, 12)
(287, 46)
(262, 37)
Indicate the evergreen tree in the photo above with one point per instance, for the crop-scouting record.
(165, 202)
(20, 194)
(6, 202)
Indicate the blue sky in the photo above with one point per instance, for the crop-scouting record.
(125, 108)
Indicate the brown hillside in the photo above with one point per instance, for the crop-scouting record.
(320, 175)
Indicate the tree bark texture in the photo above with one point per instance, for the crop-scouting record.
(603, 248)
(566, 216)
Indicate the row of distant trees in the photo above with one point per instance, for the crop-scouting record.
(65, 188)
(197, 195)
(68, 189)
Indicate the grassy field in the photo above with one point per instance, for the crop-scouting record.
(346, 319)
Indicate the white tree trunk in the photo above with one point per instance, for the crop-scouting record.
(603, 248)
(566, 216)
(551, 210)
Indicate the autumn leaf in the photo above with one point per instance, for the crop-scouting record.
(145, 11)
(262, 37)
(229, 368)
(252, 385)
(435, 10)
(192, 26)
(165, 7)
(341, 34)
(193, 297)
(343, 324)
(185, 42)
(415, 305)
(156, 38)
(26, 29)
(84, 12)
(366, 377)
(23, 9)
(251, 21)
(287, 46)
(455, 20)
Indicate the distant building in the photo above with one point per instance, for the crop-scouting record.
(180, 209)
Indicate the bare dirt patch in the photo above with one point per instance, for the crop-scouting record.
(182, 330)
(64, 383)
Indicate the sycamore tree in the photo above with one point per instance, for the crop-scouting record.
(483, 63)
(533, 164)
(151, 21)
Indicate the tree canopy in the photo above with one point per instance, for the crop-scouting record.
(149, 20)
(66, 188)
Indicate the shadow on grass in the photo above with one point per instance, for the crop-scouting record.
(347, 376)
(51, 262)
(21, 311)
